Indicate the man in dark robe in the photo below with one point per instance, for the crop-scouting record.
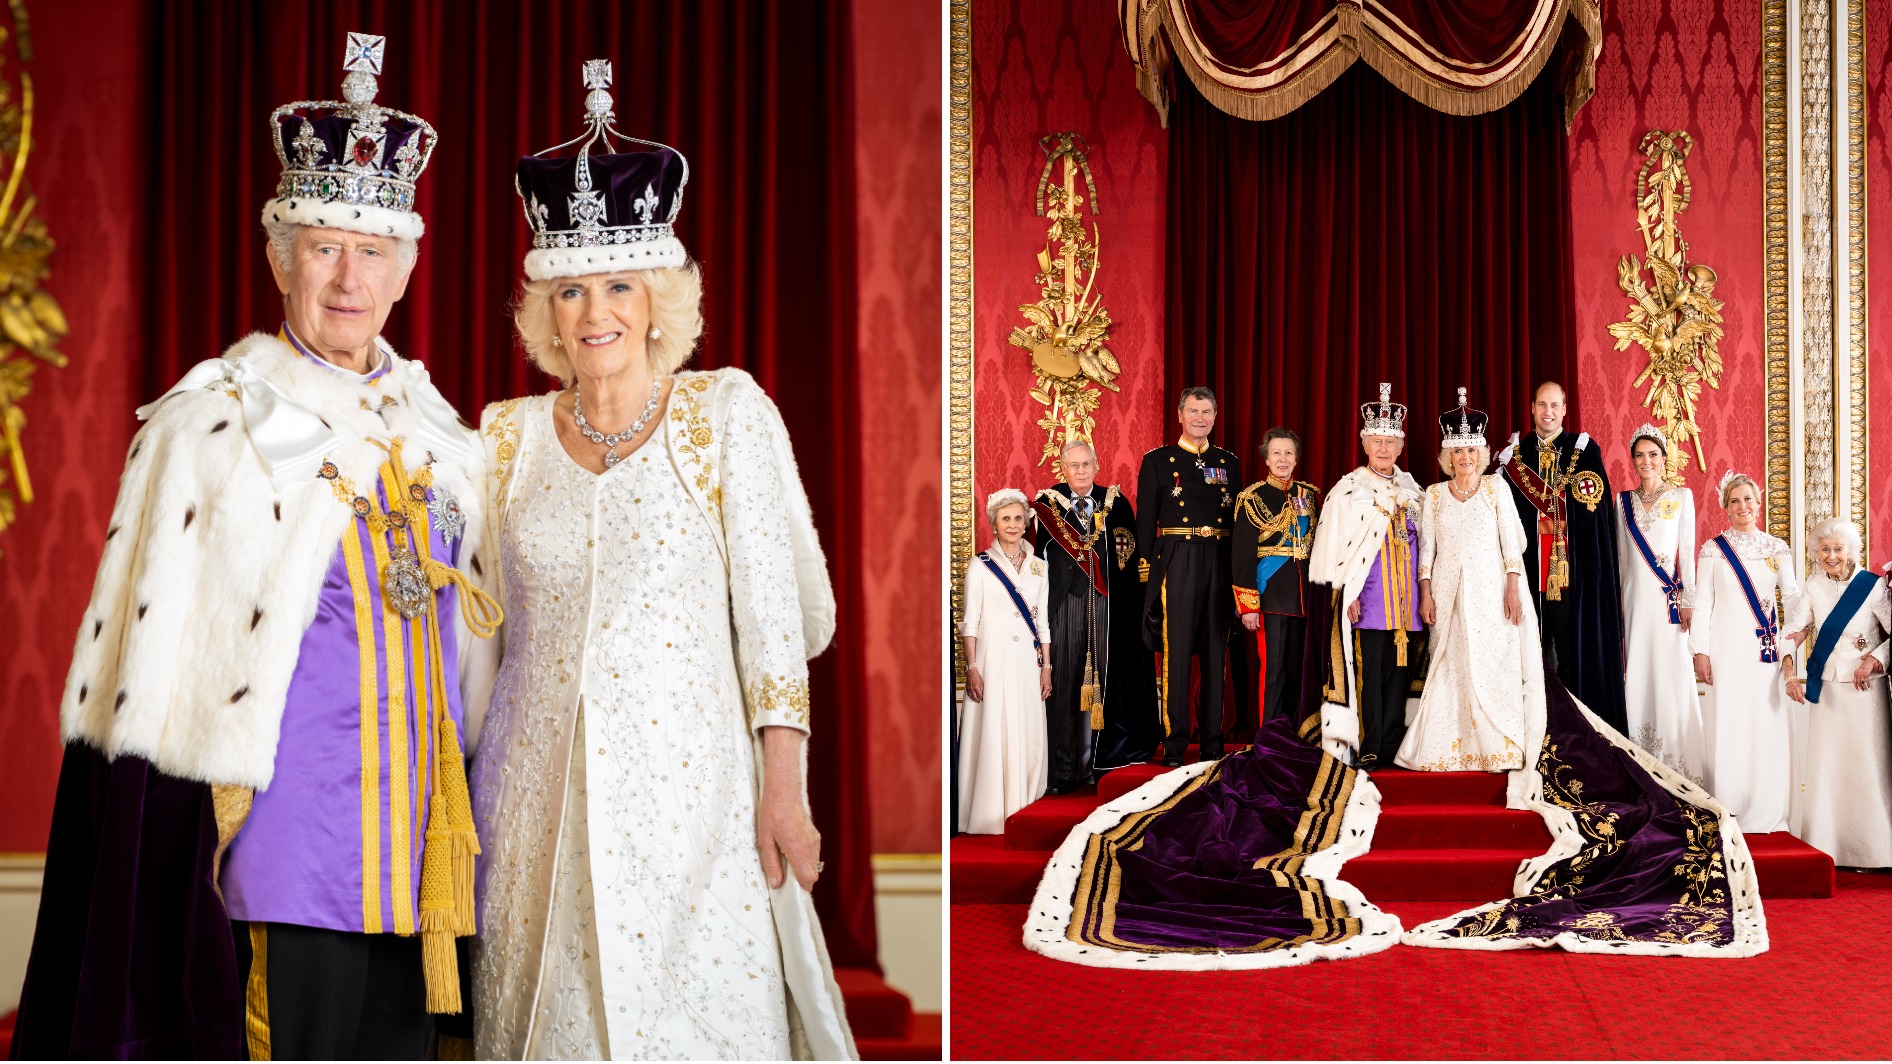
(1274, 533)
(1562, 493)
(1187, 492)
(1079, 522)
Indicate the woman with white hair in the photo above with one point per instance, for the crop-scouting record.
(1655, 560)
(1846, 809)
(1484, 648)
(1002, 762)
(638, 781)
(1749, 616)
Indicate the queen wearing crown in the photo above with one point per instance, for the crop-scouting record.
(1486, 664)
(638, 781)
(264, 785)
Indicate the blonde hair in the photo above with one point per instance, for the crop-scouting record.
(1445, 459)
(676, 311)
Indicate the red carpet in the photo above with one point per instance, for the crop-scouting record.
(1821, 991)
(1442, 836)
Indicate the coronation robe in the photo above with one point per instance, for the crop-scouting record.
(1563, 480)
(190, 664)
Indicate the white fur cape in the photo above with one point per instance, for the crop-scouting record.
(218, 545)
(1353, 521)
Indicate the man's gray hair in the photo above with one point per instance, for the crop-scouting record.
(1073, 444)
(1841, 529)
(1197, 392)
(282, 244)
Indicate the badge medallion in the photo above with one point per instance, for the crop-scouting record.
(404, 584)
(447, 516)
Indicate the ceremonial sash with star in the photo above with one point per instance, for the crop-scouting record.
(1082, 548)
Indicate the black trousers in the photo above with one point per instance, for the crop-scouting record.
(1384, 687)
(315, 994)
(1197, 608)
(1281, 687)
(1067, 728)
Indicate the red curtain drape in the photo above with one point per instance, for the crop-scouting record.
(754, 92)
(1367, 238)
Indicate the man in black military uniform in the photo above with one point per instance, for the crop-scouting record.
(1079, 525)
(1274, 531)
(1562, 493)
(1186, 492)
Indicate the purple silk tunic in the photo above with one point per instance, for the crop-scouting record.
(1376, 595)
(300, 858)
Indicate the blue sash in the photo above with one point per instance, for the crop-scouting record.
(1265, 568)
(1017, 599)
(1769, 626)
(1849, 602)
(1670, 584)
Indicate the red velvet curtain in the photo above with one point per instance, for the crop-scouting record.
(1367, 238)
(754, 92)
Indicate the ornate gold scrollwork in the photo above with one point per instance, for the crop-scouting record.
(1676, 320)
(31, 322)
(1068, 324)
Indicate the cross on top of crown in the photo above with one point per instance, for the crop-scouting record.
(1461, 397)
(364, 52)
(1386, 394)
(597, 73)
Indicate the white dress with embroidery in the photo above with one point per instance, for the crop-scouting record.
(1002, 759)
(652, 615)
(1664, 713)
(1748, 723)
(1847, 810)
(1471, 717)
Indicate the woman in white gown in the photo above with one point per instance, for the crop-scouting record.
(1658, 592)
(1484, 640)
(1002, 759)
(1846, 808)
(1746, 720)
(638, 779)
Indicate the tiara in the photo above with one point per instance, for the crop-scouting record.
(1463, 426)
(1384, 418)
(1646, 431)
(350, 163)
(602, 208)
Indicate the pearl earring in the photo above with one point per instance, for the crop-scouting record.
(656, 333)
(556, 342)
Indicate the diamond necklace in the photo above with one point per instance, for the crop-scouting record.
(611, 440)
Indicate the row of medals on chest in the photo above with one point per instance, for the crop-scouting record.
(413, 498)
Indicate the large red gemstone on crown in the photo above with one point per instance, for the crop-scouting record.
(364, 151)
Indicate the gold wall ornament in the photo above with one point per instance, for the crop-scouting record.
(1675, 319)
(1068, 324)
(31, 323)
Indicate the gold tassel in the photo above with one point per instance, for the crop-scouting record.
(1090, 699)
(1399, 644)
(446, 872)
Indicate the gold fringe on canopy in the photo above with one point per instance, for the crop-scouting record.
(1159, 38)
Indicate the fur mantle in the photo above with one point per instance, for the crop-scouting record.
(215, 557)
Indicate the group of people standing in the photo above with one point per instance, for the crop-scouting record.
(1445, 607)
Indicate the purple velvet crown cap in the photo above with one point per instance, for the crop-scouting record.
(1462, 426)
(601, 210)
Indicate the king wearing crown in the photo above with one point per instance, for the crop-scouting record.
(263, 841)
(1366, 549)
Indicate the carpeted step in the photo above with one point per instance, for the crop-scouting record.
(1472, 874)
(1122, 781)
(1399, 786)
(1043, 824)
(921, 1042)
(1460, 827)
(1789, 868)
(983, 870)
(874, 1009)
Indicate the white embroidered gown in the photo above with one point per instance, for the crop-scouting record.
(1747, 718)
(1847, 804)
(1664, 712)
(1002, 758)
(639, 661)
(1471, 717)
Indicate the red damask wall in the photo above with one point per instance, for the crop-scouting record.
(1054, 66)
(897, 75)
(1879, 266)
(1673, 64)
(79, 418)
